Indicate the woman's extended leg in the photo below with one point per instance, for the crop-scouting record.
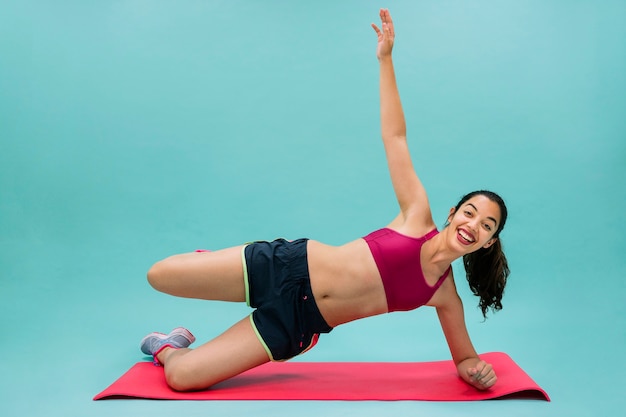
(207, 275)
(233, 352)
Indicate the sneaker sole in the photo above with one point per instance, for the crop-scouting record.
(180, 331)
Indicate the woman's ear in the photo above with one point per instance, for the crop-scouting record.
(491, 242)
(451, 214)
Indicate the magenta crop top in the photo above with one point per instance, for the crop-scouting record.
(397, 257)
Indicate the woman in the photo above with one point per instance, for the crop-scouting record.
(302, 288)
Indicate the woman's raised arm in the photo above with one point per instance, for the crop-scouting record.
(409, 190)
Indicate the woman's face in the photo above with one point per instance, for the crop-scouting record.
(475, 223)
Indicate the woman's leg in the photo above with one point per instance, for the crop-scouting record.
(233, 352)
(206, 275)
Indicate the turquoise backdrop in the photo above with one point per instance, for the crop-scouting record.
(133, 129)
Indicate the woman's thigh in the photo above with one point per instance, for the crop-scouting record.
(206, 275)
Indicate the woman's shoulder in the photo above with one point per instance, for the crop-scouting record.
(413, 226)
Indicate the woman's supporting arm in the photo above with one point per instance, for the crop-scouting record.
(470, 367)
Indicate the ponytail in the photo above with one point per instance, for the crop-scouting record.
(487, 271)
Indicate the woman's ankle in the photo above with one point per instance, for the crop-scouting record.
(165, 354)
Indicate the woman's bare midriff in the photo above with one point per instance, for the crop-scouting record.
(345, 281)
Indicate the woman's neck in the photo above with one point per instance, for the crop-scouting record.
(437, 251)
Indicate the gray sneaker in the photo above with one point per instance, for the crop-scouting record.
(178, 338)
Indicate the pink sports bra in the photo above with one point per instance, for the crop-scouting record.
(397, 257)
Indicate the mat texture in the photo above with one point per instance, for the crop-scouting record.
(355, 381)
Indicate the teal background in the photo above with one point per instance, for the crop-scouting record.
(132, 130)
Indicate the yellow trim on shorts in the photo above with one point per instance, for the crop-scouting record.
(245, 274)
(258, 335)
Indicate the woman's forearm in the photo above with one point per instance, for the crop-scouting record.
(391, 114)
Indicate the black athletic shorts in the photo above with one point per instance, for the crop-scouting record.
(286, 320)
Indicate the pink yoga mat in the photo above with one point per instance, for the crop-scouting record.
(356, 381)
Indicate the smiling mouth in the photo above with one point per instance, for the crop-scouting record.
(465, 237)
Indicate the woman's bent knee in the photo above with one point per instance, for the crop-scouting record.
(158, 275)
(177, 380)
(183, 377)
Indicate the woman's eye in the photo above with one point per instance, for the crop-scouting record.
(488, 228)
(468, 214)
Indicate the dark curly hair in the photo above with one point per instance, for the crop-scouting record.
(487, 269)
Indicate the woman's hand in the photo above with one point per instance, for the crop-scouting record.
(477, 373)
(385, 35)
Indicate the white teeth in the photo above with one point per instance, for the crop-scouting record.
(465, 236)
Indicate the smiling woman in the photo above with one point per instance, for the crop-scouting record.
(302, 288)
